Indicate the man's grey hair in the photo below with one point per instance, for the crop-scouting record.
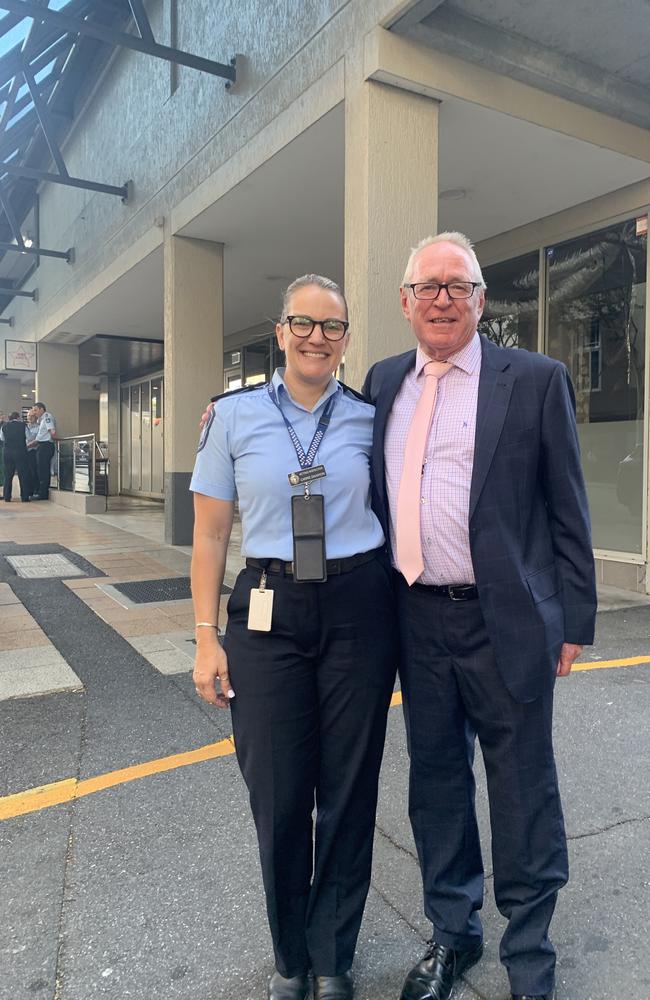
(459, 240)
(305, 282)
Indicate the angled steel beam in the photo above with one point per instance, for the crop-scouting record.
(11, 218)
(52, 52)
(142, 21)
(77, 182)
(30, 8)
(12, 292)
(13, 136)
(44, 118)
(10, 100)
(39, 252)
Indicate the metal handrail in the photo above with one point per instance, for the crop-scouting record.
(96, 457)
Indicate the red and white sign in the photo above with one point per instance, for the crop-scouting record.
(20, 355)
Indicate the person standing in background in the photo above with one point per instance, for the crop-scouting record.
(13, 435)
(44, 444)
(3, 420)
(32, 460)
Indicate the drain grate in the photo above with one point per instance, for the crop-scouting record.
(175, 588)
(44, 566)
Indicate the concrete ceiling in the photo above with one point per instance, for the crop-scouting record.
(515, 172)
(284, 220)
(132, 306)
(590, 51)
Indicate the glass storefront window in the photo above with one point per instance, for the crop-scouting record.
(596, 293)
(257, 362)
(512, 302)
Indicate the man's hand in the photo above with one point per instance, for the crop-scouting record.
(205, 416)
(568, 655)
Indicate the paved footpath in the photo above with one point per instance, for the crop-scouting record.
(128, 866)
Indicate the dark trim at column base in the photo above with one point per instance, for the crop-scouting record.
(179, 508)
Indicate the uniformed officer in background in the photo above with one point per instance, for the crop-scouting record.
(44, 444)
(32, 455)
(309, 655)
(13, 435)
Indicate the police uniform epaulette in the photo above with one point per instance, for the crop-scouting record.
(347, 388)
(233, 392)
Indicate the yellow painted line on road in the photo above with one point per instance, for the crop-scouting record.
(59, 792)
(71, 788)
(629, 661)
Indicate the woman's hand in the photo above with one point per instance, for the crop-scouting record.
(211, 678)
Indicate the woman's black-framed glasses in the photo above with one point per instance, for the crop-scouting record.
(303, 326)
(432, 289)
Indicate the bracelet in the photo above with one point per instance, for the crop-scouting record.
(205, 625)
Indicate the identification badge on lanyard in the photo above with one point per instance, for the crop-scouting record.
(308, 530)
(260, 607)
(308, 510)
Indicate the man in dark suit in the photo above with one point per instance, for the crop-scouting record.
(14, 439)
(477, 476)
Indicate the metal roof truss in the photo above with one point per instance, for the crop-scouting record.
(40, 79)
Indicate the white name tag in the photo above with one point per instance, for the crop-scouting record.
(260, 610)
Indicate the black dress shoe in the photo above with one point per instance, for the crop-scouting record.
(333, 987)
(533, 996)
(295, 988)
(434, 976)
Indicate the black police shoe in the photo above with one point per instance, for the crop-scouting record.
(434, 976)
(295, 988)
(533, 996)
(333, 987)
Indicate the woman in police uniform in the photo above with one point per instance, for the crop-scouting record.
(307, 664)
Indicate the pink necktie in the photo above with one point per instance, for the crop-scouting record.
(409, 543)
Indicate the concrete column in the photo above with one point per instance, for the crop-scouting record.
(391, 202)
(10, 396)
(57, 385)
(193, 366)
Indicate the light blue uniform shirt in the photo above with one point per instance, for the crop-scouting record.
(245, 452)
(31, 430)
(45, 425)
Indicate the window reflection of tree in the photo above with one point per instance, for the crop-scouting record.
(596, 293)
(511, 306)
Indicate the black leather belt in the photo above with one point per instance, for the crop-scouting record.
(334, 566)
(455, 592)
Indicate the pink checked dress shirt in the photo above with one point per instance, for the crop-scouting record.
(448, 463)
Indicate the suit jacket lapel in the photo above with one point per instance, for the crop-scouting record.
(384, 400)
(494, 391)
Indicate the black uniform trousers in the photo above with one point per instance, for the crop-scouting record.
(16, 462)
(309, 721)
(44, 453)
(453, 692)
(32, 465)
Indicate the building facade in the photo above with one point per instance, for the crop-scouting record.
(352, 130)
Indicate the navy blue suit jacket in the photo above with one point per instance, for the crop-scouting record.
(529, 526)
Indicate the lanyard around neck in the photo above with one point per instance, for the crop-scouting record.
(306, 459)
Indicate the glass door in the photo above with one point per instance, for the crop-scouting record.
(136, 439)
(125, 440)
(157, 436)
(145, 436)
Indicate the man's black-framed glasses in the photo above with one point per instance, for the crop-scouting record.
(303, 326)
(432, 289)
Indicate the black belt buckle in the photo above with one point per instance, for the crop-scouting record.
(458, 593)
